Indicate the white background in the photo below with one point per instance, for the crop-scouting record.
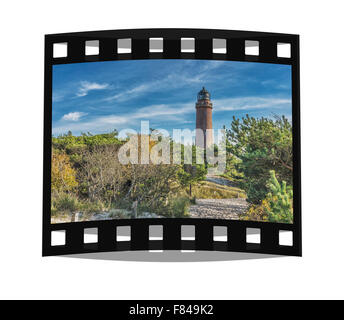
(25, 274)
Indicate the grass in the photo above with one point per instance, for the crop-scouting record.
(210, 190)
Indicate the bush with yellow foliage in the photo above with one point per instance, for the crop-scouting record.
(63, 176)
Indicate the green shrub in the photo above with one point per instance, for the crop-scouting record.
(255, 189)
(280, 200)
(257, 212)
(176, 207)
(276, 207)
(91, 206)
(260, 144)
(53, 210)
(180, 207)
(122, 203)
(66, 203)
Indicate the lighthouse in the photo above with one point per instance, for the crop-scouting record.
(204, 122)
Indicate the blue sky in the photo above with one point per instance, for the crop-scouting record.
(98, 97)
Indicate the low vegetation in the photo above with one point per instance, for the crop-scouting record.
(210, 190)
(87, 177)
(260, 159)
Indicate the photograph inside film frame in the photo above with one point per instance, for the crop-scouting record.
(172, 139)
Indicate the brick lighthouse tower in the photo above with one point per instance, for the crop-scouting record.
(204, 109)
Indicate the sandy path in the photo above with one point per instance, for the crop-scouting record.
(218, 208)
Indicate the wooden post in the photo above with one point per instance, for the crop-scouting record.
(134, 209)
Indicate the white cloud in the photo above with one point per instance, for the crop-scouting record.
(172, 80)
(73, 116)
(276, 84)
(250, 103)
(57, 96)
(99, 124)
(131, 93)
(164, 112)
(210, 65)
(88, 86)
(171, 112)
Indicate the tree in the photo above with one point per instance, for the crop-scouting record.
(280, 198)
(101, 173)
(71, 144)
(190, 174)
(261, 145)
(62, 174)
(102, 181)
(152, 185)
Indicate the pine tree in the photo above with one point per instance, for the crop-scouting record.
(280, 200)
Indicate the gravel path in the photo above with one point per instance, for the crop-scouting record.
(218, 208)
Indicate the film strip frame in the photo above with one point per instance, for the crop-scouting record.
(237, 231)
